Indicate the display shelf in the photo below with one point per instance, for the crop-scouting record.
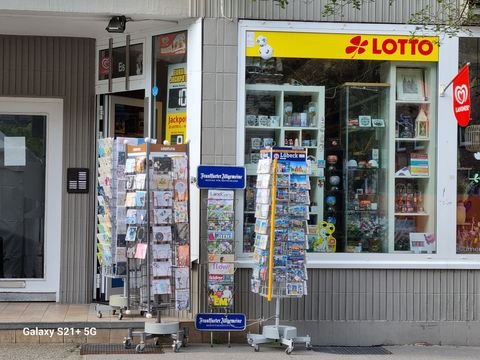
(413, 168)
(285, 115)
(364, 133)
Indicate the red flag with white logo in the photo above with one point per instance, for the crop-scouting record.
(461, 96)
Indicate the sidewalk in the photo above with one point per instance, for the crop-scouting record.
(237, 352)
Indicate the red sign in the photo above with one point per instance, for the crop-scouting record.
(461, 96)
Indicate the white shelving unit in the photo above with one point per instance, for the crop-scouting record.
(284, 115)
(413, 111)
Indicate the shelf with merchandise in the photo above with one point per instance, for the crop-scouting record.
(413, 167)
(286, 116)
(365, 125)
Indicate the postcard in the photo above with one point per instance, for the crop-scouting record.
(162, 182)
(183, 255)
(141, 251)
(161, 251)
(182, 299)
(130, 199)
(140, 181)
(129, 165)
(162, 198)
(283, 181)
(140, 162)
(140, 198)
(182, 233)
(295, 289)
(131, 233)
(162, 164)
(261, 241)
(262, 211)
(162, 233)
(162, 216)
(214, 225)
(261, 226)
(182, 277)
(263, 181)
(161, 268)
(161, 286)
(180, 167)
(180, 211)
(264, 166)
(181, 190)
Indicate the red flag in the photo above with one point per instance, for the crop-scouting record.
(461, 96)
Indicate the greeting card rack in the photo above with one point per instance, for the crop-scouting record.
(158, 237)
(281, 212)
(111, 215)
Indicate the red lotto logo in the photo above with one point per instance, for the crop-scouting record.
(358, 46)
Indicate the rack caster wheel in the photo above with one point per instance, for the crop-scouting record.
(289, 350)
(128, 312)
(120, 316)
(114, 312)
(99, 314)
(176, 346)
(256, 348)
(309, 346)
(140, 348)
(127, 343)
(156, 342)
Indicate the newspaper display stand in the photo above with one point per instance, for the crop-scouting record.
(281, 212)
(158, 238)
(221, 258)
(111, 226)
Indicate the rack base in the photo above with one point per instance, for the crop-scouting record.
(157, 328)
(286, 335)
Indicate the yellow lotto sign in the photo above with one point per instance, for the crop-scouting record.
(267, 44)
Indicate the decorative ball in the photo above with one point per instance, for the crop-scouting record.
(332, 220)
(334, 180)
(332, 159)
(331, 200)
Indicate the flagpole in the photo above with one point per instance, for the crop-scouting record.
(442, 93)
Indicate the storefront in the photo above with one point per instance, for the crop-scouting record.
(366, 102)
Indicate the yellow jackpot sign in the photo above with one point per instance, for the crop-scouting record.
(268, 44)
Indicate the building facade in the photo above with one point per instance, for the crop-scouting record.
(396, 290)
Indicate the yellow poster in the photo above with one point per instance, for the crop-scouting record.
(176, 126)
(268, 44)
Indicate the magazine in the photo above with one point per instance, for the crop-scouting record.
(220, 247)
(161, 182)
(220, 295)
(162, 164)
(180, 167)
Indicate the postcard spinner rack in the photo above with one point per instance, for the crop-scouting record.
(281, 212)
(158, 237)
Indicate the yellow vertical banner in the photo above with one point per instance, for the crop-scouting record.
(176, 122)
(272, 231)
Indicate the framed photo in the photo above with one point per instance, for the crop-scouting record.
(378, 123)
(410, 84)
(364, 121)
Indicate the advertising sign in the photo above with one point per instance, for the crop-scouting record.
(176, 128)
(268, 44)
(221, 177)
(220, 322)
(461, 96)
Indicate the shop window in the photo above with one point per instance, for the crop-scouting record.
(468, 156)
(368, 127)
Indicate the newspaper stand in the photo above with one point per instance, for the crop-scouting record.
(281, 212)
(159, 263)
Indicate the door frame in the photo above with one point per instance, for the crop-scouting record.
(46, 288)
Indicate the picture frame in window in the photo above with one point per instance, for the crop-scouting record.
(410, 84)
(378, 122)
(364, 121)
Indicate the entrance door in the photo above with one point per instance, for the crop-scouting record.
(30, 198)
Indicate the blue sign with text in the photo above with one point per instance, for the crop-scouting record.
(221, 177)
(220, 322)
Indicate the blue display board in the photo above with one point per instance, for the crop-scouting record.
(220, 322)
(221, 177)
